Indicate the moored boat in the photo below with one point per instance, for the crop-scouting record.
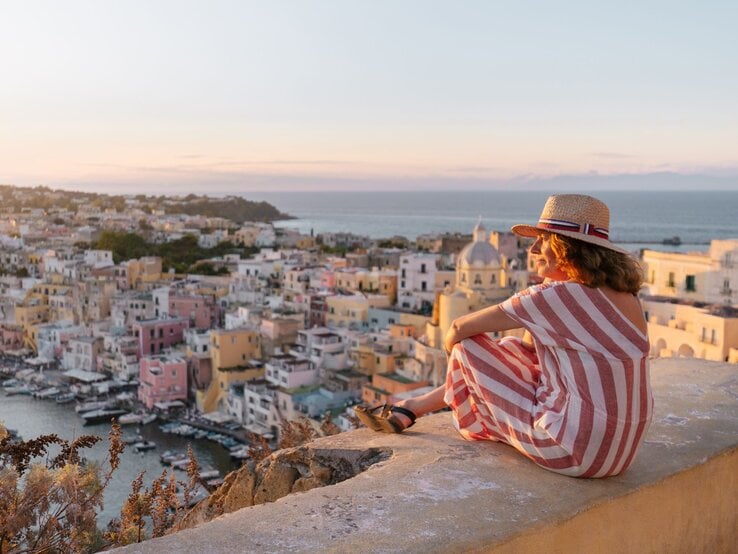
(101, 416)
(65, 397)
(209, 473)
(49, 392)
(144, 445)
(140, 418)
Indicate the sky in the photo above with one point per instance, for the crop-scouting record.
(221, 96)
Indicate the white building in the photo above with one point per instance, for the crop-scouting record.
(417, 280)
(323, 347)
(288, 371)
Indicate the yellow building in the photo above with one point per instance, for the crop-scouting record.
(684, 330)
(351, 311)
(232, 354)
(710, 276)
(29, 316)
(371, 359)
(143, 270)
(361, 280)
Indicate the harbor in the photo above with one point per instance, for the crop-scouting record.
(32, 414)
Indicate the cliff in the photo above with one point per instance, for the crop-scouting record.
(429, 491)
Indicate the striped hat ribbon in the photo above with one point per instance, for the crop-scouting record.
(584, 228)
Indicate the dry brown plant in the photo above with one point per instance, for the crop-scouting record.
(295, 433)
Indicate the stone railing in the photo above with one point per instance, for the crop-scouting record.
(427, 490)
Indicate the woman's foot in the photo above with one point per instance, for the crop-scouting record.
(386, 418)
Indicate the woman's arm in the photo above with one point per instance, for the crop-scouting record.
(486, 320)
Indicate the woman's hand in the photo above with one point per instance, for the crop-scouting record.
(451, 338)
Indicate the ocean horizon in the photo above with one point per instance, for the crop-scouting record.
(637, 217)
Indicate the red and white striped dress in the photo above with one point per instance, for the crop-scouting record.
(579, 405)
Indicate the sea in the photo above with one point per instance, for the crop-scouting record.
(639, 219)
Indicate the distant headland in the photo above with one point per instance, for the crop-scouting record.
(235, 208)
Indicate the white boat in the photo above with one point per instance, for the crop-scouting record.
(181, 463)
(133, 440)
(47, 393)
(19, 389)
(170, 456)
(209, 473)
(140, 418)
(65, 397)
(144, 445)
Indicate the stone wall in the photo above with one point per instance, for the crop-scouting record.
(430, 491)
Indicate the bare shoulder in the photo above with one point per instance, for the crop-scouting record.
(629, 305)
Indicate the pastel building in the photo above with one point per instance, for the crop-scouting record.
(351, 311)
(710, 276)
(82, 352)
(385, 387)
(289, 372)
(163, 378)
(323, 347)
(417, 280)
(156, 335)
(687, 330)
(202, 311)
(234, 359)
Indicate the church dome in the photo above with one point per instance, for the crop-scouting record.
(479, 252)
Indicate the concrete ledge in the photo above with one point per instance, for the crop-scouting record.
(438, 493)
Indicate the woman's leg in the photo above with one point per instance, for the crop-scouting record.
(420, 405)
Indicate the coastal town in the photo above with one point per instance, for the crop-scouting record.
(136, 308)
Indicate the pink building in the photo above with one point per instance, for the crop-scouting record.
(328, 279)
(202, 311)
(155, 335)
(11, 337)
(163, 379)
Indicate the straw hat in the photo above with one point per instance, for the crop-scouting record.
(577, 216)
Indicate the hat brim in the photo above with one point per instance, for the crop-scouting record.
(533, 231)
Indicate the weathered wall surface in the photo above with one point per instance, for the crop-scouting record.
(438, 493)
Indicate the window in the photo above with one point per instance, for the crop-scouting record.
(423, 285)
(713, 337)
(703, 336)
(494, 279)
(477, 279)
(689, 285)
(402, 284)
(670, 281)
(422, 268)
(402, 274)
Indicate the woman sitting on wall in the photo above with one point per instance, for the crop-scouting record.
(573, 395)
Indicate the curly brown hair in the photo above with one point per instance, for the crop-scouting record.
(597, 266)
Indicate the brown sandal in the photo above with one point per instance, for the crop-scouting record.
(385, 421)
